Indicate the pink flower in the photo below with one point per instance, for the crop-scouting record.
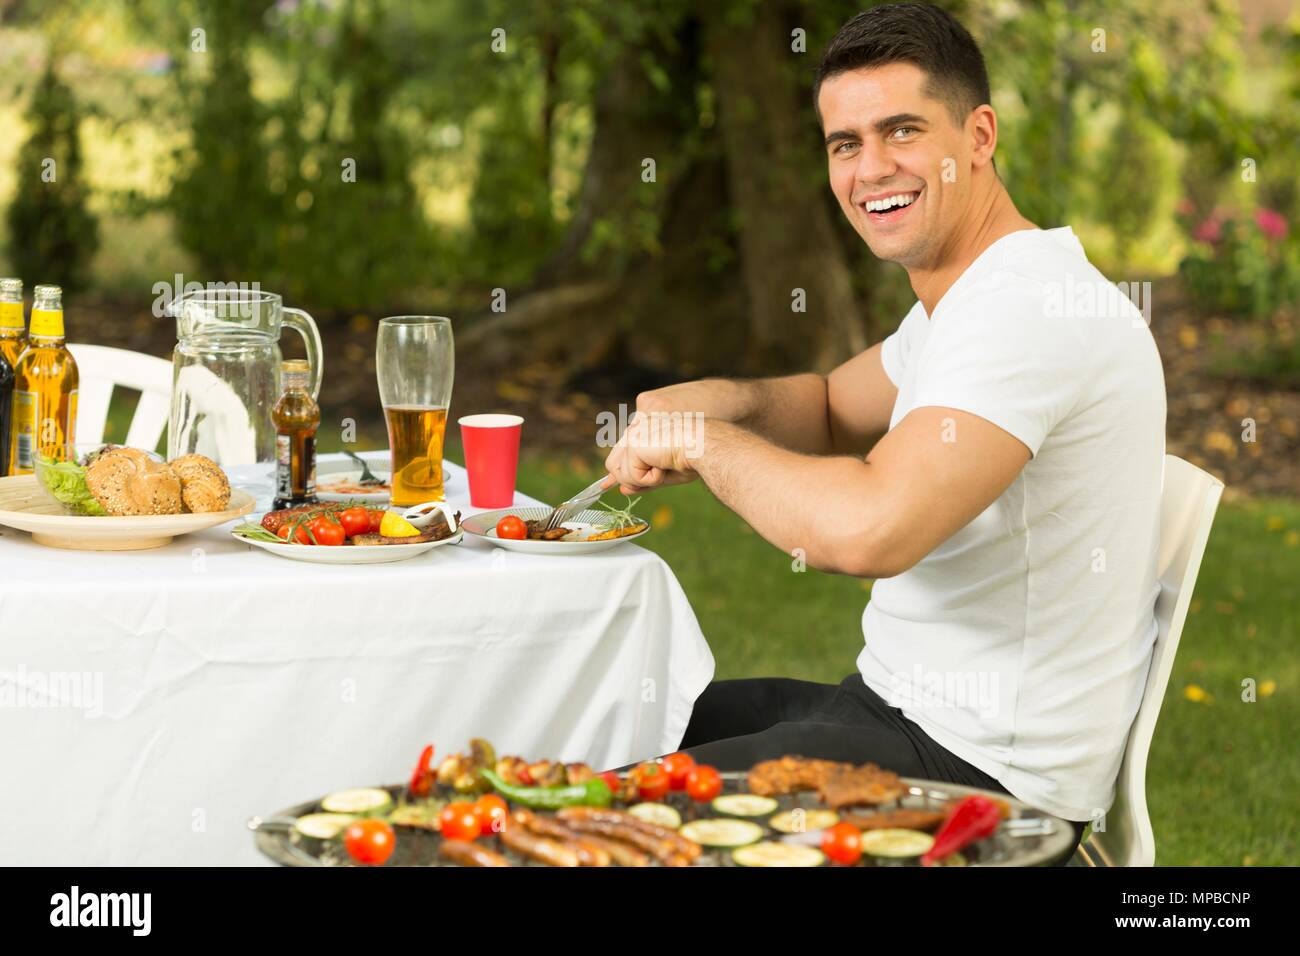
(1271, 223)
(1209, 230)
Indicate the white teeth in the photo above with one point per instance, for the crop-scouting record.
(889, 202)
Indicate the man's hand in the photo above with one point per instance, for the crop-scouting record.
(655, 450)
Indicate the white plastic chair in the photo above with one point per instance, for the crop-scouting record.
(1187, 506)
(101, 369)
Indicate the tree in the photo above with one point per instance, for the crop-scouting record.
(53, 235)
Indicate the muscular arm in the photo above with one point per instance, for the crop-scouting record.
(844, 412)
(926, 479)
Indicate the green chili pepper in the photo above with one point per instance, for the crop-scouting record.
(594, 793)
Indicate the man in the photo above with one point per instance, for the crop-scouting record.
(1009, 513)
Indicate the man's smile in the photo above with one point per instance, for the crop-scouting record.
(889, 207)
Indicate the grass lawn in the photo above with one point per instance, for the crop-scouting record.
(1222, 781)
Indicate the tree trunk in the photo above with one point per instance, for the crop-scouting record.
(789, 250)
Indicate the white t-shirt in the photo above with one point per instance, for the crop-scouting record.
(1022, 643)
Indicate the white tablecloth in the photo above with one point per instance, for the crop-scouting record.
(150, 702)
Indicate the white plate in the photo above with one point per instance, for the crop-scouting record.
(349, 554)
(334, 470)
(25, 505)
(484, 526)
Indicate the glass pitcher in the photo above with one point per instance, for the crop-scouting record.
(226, 373)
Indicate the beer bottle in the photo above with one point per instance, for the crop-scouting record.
(13, 339)
(45, 387)
(296, 416)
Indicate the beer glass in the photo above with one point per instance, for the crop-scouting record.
(415, 363)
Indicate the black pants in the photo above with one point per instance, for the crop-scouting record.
(737, 723)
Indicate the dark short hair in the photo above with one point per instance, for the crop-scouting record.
(917, 33)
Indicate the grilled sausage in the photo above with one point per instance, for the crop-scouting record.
(570, 816)
(469, 854)
(590, 853)
(662, 850)
(539, 848)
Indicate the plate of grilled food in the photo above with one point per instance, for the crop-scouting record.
(587, 532)
(477, 809)
(352, 532)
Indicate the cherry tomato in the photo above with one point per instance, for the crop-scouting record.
(492, 814)
(678, 765)
(512, 527)
(651, 781)
(376, 519)
(703, 783)
(300, 536)
(459, 821)
(355, 521)
(614, 783)
(328, 532)
(284, 531)
(843, 843)
(370, 841)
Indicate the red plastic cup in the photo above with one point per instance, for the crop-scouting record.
(491, 458)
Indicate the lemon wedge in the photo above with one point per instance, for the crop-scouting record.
(394, 525)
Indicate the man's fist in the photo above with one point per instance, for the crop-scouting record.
(656, 449)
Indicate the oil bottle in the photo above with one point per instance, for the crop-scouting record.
(296, 416)
(45, 387)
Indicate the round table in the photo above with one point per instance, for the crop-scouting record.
(152, 701)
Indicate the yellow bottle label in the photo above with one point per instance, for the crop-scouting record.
(47, 323)
(11, 315)
(24, 431)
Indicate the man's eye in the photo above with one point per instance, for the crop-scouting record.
(904, 130)
(845, 146)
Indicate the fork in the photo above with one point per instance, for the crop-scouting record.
(367, 477)
(567, 509)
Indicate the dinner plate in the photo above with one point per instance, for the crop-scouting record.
(327, 471)
(484, 525)
(349, 554)
(25, 505)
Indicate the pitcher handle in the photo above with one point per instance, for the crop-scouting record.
(305, 325)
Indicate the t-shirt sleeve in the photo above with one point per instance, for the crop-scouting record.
(897, 346)
(998, 355)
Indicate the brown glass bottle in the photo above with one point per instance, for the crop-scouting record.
(296, 416)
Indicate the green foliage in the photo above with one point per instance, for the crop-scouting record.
(223, 205)
(53, 235)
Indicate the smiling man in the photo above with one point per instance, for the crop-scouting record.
(1009, 512)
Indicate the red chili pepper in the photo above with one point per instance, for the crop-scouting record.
(422, 780)
(973, 818)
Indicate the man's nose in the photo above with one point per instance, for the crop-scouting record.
(875, 166)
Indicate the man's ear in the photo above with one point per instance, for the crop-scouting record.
(982, 128)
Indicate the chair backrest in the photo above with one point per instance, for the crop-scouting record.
(101, 369)
(1187, 505)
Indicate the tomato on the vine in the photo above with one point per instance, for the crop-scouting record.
(460, 822)
(327, 531)
(376, 519)
(703, 783)
(492, 814)
(370, 841)
(651, 781)
(678, 765)
(843, 843)
(355, 521)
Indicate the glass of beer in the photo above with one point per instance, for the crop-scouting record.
(415, 363)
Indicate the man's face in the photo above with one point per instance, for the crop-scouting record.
(886, 146)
